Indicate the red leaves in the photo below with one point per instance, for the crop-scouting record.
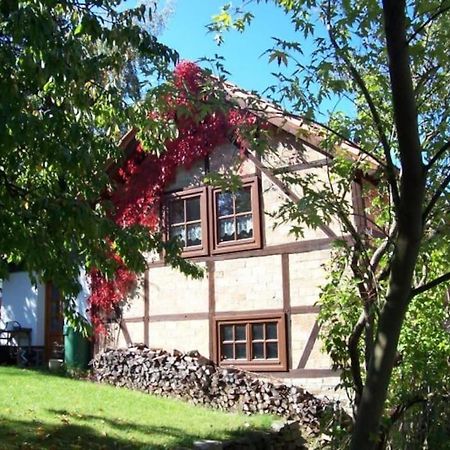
(144, 175)
(187, 75)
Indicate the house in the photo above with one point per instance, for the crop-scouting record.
(256, 307)
(36, 307)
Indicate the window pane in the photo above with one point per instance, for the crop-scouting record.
(241, 351)
(243, 201)
(227, 333)
(258, 350)
(240, 334)
(193, 209)
(194, 234)
(272, 350)
(227, 351)
(178, 232)
(271, 330)
(257, 331)
(176, 211)
(224, 204)
(226, 230)
(244, 226)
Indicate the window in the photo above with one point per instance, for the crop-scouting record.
(235, 218)
(231, 223)
(258, 343)
(186, 220)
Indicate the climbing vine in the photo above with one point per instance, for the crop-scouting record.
(141, 179)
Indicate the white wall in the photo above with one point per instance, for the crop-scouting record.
(82, 298)
(25, 303)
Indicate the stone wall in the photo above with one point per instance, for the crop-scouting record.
(180, 309)
(248, 284)
(171, 292)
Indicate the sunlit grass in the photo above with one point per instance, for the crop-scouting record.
(39, 410)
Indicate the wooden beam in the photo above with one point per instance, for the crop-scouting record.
(286, 283)
(133, 319)
(250, 314)
(287, 305)
(179, 317)
(291, 195)
(146, 306)
(303, 373)
(302, 166)
(358, 206)
(125, 332)
(309, 345)
(210, 266)
(305, 309)
(291, 248)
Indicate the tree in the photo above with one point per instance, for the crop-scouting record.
(73, 78)
(389, 62)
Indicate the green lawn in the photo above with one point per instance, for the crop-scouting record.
(43, 411)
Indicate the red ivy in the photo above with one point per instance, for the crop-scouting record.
(143, 177)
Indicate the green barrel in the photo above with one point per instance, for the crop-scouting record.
(77, 349)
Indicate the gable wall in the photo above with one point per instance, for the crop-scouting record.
(284, 277)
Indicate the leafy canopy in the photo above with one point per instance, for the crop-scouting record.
(72, 81)
(384, 68)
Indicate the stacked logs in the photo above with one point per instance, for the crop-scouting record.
(192, 377)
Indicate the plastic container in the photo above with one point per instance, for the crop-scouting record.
(77, 349)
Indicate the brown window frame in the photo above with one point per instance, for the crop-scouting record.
(209, 221)
(279, 364)
(201, 192)
(244, 244)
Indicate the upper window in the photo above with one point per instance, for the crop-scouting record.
(186, 221)
(235, 218)
(231, 222)
(258, 343)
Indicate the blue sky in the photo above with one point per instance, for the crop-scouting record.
(186, 33)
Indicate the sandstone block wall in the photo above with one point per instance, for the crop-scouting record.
(171, 292)
(307, 273)
(183, 335)
(248, 284)
(240, 284)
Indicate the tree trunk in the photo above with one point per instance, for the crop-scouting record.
(410, 231)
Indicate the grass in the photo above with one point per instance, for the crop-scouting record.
(43, 411)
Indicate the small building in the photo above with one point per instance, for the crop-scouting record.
(255, 308)
(36, 307)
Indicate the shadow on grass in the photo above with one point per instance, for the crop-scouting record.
(18, 434)
(17, 371)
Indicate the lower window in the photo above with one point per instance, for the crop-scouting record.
(257, 343)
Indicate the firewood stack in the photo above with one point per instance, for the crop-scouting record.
(193, 377)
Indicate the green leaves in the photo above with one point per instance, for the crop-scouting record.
(66, 83)
(338, 72)
(280, 56)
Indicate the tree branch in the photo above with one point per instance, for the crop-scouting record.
(272, 111)
(438, 154)
(430, 19)
(424, 78)
(430, 285)
(357, 78)
(439, 191)
(352, 346)
(381, 250)
(341, 136)
(13, 188)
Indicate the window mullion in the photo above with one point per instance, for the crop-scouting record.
(249, 342)
(265, 340)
